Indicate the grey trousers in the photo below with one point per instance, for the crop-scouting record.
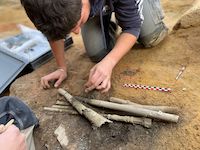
(98, 33)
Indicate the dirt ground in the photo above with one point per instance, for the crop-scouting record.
(157, 66)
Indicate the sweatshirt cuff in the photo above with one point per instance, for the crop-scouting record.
(133, 31)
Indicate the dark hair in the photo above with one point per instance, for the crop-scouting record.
(54, 18)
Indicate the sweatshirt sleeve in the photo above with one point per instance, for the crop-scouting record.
(127, 13)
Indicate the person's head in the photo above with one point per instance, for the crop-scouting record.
(55, 18)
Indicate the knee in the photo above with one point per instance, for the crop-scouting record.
(97, 57)
(154, 38)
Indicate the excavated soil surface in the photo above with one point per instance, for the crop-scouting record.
(157, 66)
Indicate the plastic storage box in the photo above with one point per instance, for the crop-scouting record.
(28, 50)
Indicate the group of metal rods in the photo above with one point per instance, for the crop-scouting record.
(62, 106)
(136, 110)
(145, 111)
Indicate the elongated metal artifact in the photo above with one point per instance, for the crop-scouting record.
(95, 118)
(146, 122)
(133, 110)
(167, 109)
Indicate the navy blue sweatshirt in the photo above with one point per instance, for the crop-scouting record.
(127, 12)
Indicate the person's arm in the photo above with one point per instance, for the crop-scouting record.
(12, 139)
(58, 52)
(61, 73)
(100, 74)
(124, 43)
(129, 18)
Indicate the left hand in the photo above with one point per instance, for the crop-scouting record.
(100, 76)
(59, 75)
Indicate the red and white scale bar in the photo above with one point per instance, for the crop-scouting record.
(146, 87)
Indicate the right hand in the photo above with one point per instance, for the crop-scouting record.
(12, 139)
(59, 75)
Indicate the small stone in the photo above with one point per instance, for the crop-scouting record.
(184, 89)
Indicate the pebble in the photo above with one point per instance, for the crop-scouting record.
(184, 89)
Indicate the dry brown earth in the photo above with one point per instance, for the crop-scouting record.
(156, 66)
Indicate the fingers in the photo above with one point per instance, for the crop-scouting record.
(105, 86)
(92, 71)
(58, 82)
(101, 84)
(99, 78)
(94, 84)
(56, 75)
(45, 82)
(61, 78)
(93, 76)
